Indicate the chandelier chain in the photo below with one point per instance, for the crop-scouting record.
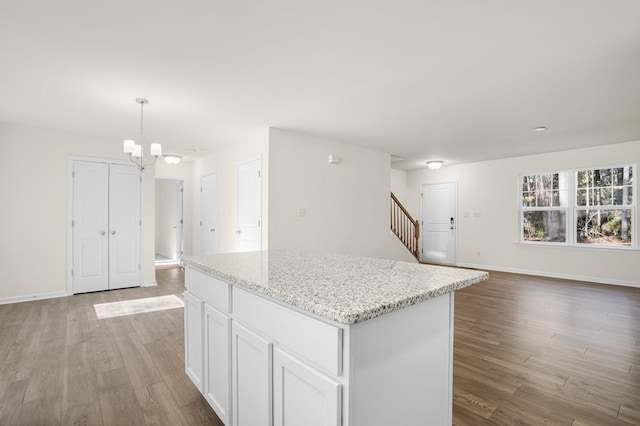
(142, 122)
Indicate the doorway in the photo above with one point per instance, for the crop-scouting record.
(439, 223)
(169, 221)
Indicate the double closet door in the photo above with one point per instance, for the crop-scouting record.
(106, 226)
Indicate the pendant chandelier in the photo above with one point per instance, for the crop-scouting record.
(135, 151)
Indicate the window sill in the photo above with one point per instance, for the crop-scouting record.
(579, 246)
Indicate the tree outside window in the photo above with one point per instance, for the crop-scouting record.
(544, 207)
(604, 206)
(601, 210)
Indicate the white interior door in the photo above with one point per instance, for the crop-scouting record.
(208, 208)
(124, 226)
(180, 223)
(90, 226)
(439, 223)
(249, 205)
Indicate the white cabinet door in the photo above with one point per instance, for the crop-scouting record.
(124, 226)
(217, 358)
(303, 396)
(90, 226)
(193, 311)
(251, 367)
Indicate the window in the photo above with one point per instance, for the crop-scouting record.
(604, 206)
(582, 207)
(544, 207)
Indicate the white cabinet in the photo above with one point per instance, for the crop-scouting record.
(217, 374)
(302, 395)
(251, 367)
(193, 354)
(262, 363)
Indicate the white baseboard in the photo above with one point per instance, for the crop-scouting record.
(30, 297)
(150, 284)
(598, 280)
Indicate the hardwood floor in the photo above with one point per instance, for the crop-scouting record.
(532, 350)
(61, 365)
(528, 350)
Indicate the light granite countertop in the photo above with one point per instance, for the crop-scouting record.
(343, 288)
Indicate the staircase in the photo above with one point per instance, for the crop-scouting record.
(406, 228)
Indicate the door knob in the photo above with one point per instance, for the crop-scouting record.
(102, 232)
(113, 232)
(213, 229)
(238, 232)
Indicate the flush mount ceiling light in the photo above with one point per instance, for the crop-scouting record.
(540, 129)
(171, 158)
(134, 150)
(435, 164)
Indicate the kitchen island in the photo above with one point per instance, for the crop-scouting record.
(310, 338)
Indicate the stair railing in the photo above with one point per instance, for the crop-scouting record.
(406, 228)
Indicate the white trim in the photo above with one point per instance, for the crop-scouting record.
(583, 278)
(571, 210)
(150, 284)
(31, 297)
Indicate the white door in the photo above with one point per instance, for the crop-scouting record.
(208, 214)
(106, 226)
(249, 205)
(217, 361)
(251, 371)
(124, 226)
(303, 396)
(439, 223)
(180, 223)
(90, 226)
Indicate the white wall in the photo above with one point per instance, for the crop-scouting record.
(224, 163)
(399, 185)
(34, 180)
(491, 188)
(347, 204)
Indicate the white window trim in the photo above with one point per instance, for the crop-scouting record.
(566, 209)
(572, 211)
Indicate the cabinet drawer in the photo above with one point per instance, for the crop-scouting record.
(311, 339)
(211, 290)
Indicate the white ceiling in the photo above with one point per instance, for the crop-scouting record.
(455, 80)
